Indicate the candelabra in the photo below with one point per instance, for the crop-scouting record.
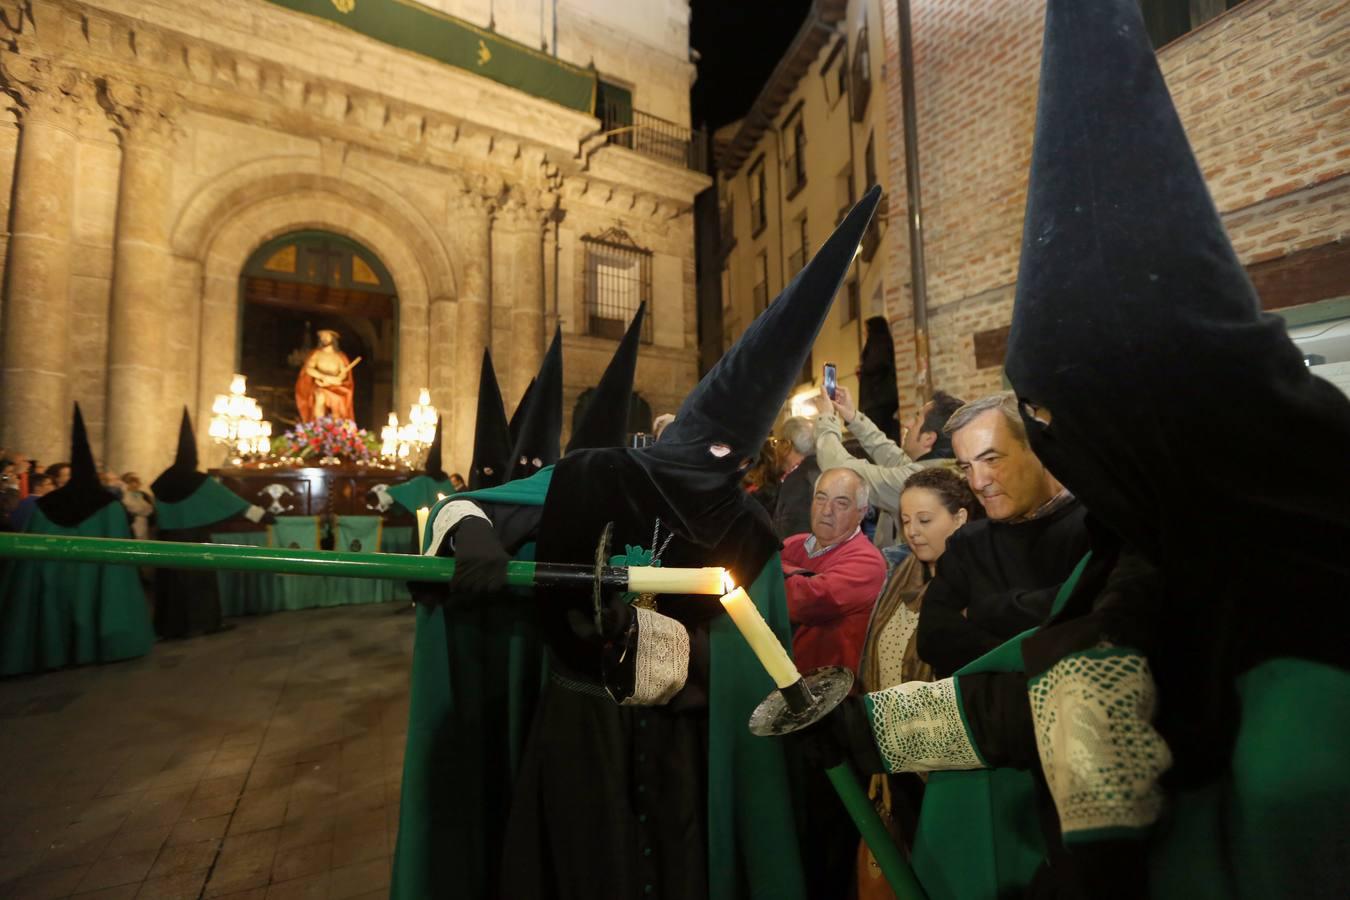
(237, 422)
(408, 444)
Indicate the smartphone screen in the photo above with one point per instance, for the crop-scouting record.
(830, 382)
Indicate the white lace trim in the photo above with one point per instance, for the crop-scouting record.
(447, 517)
(1099, 751)
(662, 659)
(918, 728)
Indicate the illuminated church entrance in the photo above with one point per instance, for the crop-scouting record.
(305, 288)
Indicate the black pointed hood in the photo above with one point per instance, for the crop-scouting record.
(491, 434)
(604, 421)
(729, 413)
(433, 466)
(179, 480)
(540, 440)
(518, 417)
(1136, 325)
(84, 494)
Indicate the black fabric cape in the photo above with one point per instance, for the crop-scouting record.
(611, 801)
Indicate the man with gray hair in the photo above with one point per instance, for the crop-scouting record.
(998, 576)
(833, 575)
(792, 512)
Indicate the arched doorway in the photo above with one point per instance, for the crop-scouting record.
(297, 284)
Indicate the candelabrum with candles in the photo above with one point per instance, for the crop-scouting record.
(237, 424)
(407, 444)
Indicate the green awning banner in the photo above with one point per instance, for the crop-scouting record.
(431, 33)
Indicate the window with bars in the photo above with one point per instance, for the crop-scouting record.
(618, 280)
(794, 152)
(758, 214)
(802, 252)
(761, 282)
(861, 75)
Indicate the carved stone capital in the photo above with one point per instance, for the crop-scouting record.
(42, 91)
(141, 115)
(478, 194)
(526, 209)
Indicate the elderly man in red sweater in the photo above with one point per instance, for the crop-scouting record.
(833, 575)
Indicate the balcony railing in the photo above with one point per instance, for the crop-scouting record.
(653, 136)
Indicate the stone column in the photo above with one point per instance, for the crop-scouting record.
(34, 381)
(473, 221)
(518, 339)
(140, 282)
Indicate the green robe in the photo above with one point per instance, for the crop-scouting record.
(418, 492)
(476, 676)
(55, 614)
(210, 503)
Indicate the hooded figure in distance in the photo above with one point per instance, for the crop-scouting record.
(55, 614)
(188, 503)
(639, 776)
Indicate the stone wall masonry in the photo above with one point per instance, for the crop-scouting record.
(1261, 91)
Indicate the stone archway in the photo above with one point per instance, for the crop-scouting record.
(221, 227)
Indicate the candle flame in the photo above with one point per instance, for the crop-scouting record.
(728, 583)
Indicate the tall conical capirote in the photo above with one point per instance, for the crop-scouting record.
(540, 440)
(696, 464)
(433, 466)
(604, 421)
(518, 417)
(736, 402)
(491, 433)
(180, 479)
(84, 494)
(1172, 396)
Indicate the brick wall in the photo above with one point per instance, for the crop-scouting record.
(1262, 91)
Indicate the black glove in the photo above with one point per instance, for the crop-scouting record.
(616, 617)
(480, 558)
(845, 734)
(268, 519)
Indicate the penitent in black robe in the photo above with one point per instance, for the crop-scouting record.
(614, 801)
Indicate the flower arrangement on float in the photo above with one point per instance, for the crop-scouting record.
(327, 441)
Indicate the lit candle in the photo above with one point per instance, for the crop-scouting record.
(761, 638)
(657, 580)
(422, 514)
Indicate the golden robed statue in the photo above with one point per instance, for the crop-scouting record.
(324, 386)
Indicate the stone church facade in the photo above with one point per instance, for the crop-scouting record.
(153, 146)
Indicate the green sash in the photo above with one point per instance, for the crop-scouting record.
(210, 503)
(978, 835)
(55, 614)
(418, 492)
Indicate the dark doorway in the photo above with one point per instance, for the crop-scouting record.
(296, 285)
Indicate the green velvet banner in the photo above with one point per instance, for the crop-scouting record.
(410, 26)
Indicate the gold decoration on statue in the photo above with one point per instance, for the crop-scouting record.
(344, 6)
(484, 54)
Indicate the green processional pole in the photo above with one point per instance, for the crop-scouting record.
(392, 566)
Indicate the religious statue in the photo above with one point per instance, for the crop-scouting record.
(324, 386)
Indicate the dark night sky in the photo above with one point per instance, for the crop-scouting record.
(741, 41)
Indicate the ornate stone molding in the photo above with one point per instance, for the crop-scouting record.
(140, 114)
(526, 208)
(42, 90)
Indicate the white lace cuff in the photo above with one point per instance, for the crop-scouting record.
(918, 727)
(661, 662)
(255, 514)
(447, 518)
(1099, 751)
